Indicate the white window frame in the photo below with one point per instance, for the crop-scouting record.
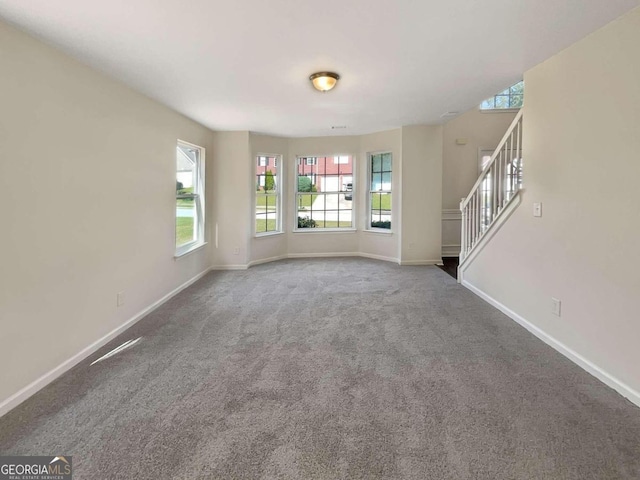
(370, 192)
(311, 160)
(279, 176)
(198, 196)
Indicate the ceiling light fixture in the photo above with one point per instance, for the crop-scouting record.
(324, 81)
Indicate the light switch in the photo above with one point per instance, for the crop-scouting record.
(537, 209)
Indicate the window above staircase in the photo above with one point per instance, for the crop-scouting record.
(510, 99)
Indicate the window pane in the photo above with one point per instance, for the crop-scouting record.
(381, 210)
(267, 195)
(332, 201)
(488, 104)
(386, 162)
(376, 163)
(516, 101)
(265, 224)
(185, 225)
(324, 192)
(502, 101)
(518, 88)
(382, 202)
(380, 181)
(513, 97)
(186, 169)
(386, 181)
(379, 195)
(189, 226)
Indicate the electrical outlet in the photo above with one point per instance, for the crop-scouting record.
(555, 306)
(120, 299)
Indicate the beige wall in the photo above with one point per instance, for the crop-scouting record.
(232, 183)
(460, 162)
(581, 145)
(87, 175)
(480, 130)
(421, 206)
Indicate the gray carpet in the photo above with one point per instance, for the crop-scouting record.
(330, 369)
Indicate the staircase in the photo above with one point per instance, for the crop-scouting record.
(496, 189)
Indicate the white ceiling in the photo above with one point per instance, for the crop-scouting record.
(244, 64)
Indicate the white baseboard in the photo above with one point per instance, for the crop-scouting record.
(230, 267)
(343, 254)
(267, 260)
(323, 255)
(606, 378)
(20, 396)
(378, 257)
(412, 263)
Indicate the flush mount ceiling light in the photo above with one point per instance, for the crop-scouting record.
(324, 81)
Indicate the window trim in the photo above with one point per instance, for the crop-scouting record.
(279, 164)
(319, 230)
(369, 228)
(199, 200)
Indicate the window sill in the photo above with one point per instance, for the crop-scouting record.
(188, 250)
(500, 110)
(267, 234)
(378, 231)
(325, 230)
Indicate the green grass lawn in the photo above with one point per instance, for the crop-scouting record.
(333, 224)
(184, 202)
(184, 230)
(381, 201)
(265, 226)
(266, 200)
(306, 199)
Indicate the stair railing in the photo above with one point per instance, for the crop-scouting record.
(496, 186)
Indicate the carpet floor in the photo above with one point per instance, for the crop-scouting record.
(329, 369)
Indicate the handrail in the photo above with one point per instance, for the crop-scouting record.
(497, 151)
(497, 184)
